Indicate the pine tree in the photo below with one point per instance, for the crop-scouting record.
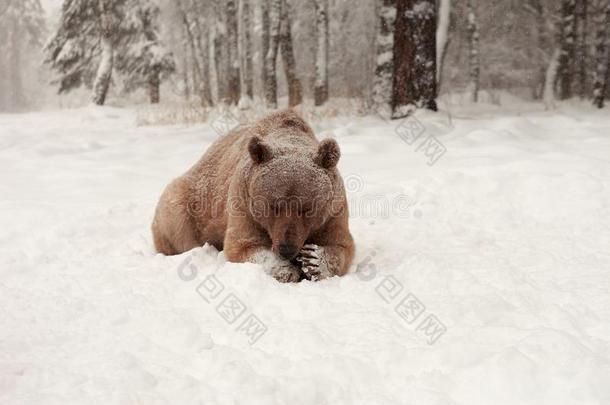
(602, 51)
(21, 26)
(233, 63)
(295, 96)
(322, 43)
(384, 49)
(271, 58)
(414, 84)
(142, 57)
(473, 52)
(567, 42)
(82, 49)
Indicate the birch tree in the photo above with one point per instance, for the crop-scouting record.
(271, 58)
(295, 92)
(197, 38)
(542, 54)
(384, 49)
(442, 37)
(264, 41)
(221, 51)
(473, 52)
(234, 78)
(602, 57)
(21, 27)
(581, 49)
(248, 69)
(321, 60)
(567, 41)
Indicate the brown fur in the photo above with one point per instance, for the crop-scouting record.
(263, 186)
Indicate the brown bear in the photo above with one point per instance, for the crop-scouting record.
(266, 193)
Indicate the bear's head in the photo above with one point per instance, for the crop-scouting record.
(292, 194)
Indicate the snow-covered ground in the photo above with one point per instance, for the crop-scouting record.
(481, 279)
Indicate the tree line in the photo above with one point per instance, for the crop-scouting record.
(395, 55)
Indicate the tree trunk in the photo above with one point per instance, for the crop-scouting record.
(295, 92)
(582, 54)
(382, 83)
(154, 84)
(602, 58)
(270, 60)
(219, 66)
(234, 78)
(201, 58)
(414, 57)
(567, 47)
(104, 71)
(264, 41)
(473, 53)
(550, 79)
(543, 57)
(202, 44)
(442, 38)
(185, 72)
(248, 78)
(16, 97)
(205, 88)
(321, 80)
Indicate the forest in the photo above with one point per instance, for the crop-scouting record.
(389, 56)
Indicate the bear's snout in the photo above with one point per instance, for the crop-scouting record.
(288, 251)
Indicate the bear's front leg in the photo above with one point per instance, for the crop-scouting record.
(246, 243)
(321, 262)
(329, 251)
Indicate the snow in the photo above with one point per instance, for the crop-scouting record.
(502, 241)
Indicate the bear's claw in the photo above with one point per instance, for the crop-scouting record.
(313, 264)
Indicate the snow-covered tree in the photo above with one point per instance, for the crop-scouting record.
(473, 53)
(82, 50)
(414, 84)
(295, 96)
(602, 69)
(322, 45)
(21, 28)
(142, 56)
(271, 58)
(384, 50)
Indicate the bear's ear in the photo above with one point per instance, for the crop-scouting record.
(259, 152)
(328, 154)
